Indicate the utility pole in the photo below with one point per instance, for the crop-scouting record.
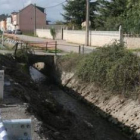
(35, 20)
(87, 22)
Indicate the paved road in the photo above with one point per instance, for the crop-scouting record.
(62, 45)
(37, 52)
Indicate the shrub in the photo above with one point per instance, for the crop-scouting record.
(112, 67)
(69, 62)
(53, 33)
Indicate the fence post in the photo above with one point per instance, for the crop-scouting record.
(55, 47)
(62, 31)
(26, 48)
(121, 35)
(46, 46)
(1, 84)
(79, 49)
(16, 47)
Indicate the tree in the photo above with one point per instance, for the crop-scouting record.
(132, 21)
(53, 33)
(110, 14)
(3, 16)
(59, 22)
(75, 12)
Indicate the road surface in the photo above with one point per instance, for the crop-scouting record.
(62, 45)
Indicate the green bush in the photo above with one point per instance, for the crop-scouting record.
(53, 33)
(69, 62)
(112, 67)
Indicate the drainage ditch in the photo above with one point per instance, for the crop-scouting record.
(62, 116)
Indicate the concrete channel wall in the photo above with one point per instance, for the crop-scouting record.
(123, 112)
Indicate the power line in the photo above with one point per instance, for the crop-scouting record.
(56, 4)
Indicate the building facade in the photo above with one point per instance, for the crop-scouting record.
(9, 24)
(31, 17)
(3, 25)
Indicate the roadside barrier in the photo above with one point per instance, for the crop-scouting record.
(3, 133)
(19, 129)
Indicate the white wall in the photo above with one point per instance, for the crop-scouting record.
(97, 38)
(132, 42)
(101, 38)
(74, 36)
(43, 33)
(46, 33)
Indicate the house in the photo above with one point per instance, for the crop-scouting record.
(9, 24)
(30, 17)
(14, 19)
(3, 22)
(3, 25)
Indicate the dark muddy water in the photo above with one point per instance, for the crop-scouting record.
(103, 130)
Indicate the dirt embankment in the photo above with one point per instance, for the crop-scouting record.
(121, 111)
(57, 122)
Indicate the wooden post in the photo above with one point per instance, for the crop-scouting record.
(79, 49)
(1, 84)
(62, 31)
(16, 47)
(55, 47)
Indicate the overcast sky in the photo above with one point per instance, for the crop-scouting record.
(53, 13)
